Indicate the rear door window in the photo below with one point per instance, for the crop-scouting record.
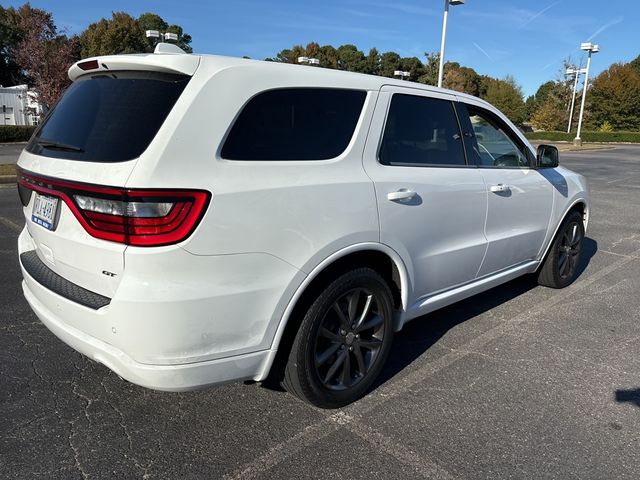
(421, 131)
(108, 117)
(295, 124)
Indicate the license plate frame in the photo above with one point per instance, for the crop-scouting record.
(44, 212)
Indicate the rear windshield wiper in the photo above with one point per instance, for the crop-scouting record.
(57, 145)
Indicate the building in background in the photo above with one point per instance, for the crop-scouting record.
(19, 106)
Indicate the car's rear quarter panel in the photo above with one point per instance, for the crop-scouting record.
(298, 211)
(268, 225)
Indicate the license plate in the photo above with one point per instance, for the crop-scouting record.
(44, 211)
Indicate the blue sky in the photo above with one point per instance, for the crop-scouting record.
(524, 38)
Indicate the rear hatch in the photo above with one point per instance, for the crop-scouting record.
(73, 172)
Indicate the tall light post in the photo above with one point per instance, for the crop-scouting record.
(576, 72)
(591, 48)
(444, 36)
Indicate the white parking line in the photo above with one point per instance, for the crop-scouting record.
(421, 466)
(280, 452)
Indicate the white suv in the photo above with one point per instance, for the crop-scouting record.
(193, 220)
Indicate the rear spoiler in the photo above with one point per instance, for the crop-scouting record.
(164, 59)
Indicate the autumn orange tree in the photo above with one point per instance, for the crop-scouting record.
(614, 97)
(39, 54)
(44, 54)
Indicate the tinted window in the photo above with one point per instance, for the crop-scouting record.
(108, 118)
(295, 124)
(492, 146)
(421, 131)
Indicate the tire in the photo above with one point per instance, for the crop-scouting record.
(343, 341)
(560, 267)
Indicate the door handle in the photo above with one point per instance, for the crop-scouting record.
(499, 188)
(402, 195)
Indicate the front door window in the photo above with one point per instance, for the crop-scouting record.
(492, 146)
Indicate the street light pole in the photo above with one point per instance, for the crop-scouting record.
(591, 48)
(576, 72)
(444, 36)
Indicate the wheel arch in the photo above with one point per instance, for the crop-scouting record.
(378, 256)
(579, 205)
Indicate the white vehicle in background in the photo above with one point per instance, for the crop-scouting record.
(193, 220)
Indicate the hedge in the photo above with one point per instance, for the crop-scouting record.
(15, 133)
(630, 137)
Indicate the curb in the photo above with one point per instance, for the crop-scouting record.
(4, 179)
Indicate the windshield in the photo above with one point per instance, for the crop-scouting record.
(108, 117)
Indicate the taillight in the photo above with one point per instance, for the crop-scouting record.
(143, 217)
(88, 65)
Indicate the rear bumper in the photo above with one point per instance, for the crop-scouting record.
(176, 321)
(158, 377)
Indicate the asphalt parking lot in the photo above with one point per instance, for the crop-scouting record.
(9, 152)
(518, 382)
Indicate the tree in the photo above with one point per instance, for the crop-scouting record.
(44, 55)
(152, 21)
(635, 64)
(389, 63)
(291, 55)
(430, 75)
(462, 79)
(328, 57)
(10, 37)
(121, 34)
(549, 116)
(530, 106)
(506, 95)
(312, 50)
(614, 97)
(536, 101)
(549, 108)
(372, 62)
(351, 59)
(414, 66)
(124, 34)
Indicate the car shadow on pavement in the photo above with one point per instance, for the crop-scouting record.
(422, 333)
(628, 396)
(589, 249)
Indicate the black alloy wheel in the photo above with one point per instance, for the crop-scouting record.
(349, 339)
(569, 250)
(560, 267)
(343, 341)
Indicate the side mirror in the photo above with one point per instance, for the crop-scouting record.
(547, 156)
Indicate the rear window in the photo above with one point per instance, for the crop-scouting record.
(108, 117)
(295, 124)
